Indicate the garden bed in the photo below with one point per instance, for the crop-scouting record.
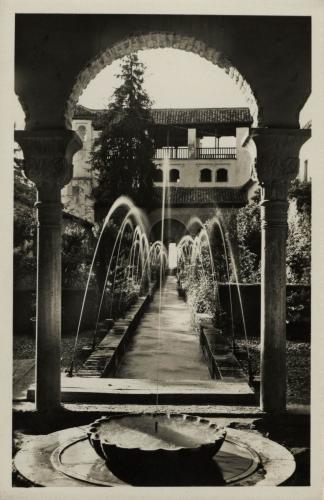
(24, 347)
(298, 367)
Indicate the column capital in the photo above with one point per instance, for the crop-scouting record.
(277, 162)
(48, 155)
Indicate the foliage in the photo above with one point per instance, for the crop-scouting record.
(302, 193)
(122, 154)
(24, 234)
(249, 240)
(298, 305)
(200, 286)
(76, 255)
(199, 290)
(219, 253)
(76, 241)
(299, 234)
(298, 241)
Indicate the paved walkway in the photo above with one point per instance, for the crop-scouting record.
(165, 342)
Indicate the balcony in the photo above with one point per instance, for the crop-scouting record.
(182, 153)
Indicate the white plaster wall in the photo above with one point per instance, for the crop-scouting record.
(80, 166)
(305, 174)
(239, 170)
(81, 204)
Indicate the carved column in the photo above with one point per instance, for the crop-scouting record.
(277, 164)
(48, 163)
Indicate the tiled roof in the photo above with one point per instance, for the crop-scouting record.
(187, 116)
(182, 116)
(201, 196)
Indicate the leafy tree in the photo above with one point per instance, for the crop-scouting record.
(24, 226)
(122, 154)
(77, 250)
(299, 233)
(76, 241)
(301, 192)
(249, 240)
(298, 240)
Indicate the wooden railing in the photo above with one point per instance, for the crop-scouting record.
(216, 153)
(182, 153)
(172, 153)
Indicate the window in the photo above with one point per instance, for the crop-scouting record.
(205, 175)
(221, 175)
(158, 175)
(174, 175)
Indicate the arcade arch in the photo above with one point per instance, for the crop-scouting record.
(64, 52)
(157, 40)
(174, 229)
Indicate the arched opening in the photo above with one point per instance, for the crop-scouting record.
(205, 175)
(161, 40)
(172, 255)
(222, 175)
(82, 132)
(174, 175)
(158, 175)
(173, 231)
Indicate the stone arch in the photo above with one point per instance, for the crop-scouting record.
(174, 229)
(158, 175)
(156, 40)
(174, 175)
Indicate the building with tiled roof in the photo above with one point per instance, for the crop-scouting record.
(239, 117)
(208, 166)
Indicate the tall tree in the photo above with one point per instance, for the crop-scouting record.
(122, 154)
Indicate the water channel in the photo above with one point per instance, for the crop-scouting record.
(166, 347)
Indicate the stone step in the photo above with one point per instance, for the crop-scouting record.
(93, 390)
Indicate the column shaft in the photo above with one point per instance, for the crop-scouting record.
(48, 329)
(273, 306)
(277, 164)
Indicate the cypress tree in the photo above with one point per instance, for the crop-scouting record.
(122, 154)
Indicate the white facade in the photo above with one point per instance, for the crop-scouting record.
(232, 172)
(238, 171)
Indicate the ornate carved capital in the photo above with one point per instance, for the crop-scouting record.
(277, 159)
(48, 156)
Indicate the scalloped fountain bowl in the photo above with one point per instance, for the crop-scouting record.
(155, 445)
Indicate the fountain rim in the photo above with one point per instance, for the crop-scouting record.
(217, 433)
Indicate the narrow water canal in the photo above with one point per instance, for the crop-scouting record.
(173, 349)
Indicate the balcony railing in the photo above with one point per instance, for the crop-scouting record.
(172, 153)
(182, 153)
(216, 153)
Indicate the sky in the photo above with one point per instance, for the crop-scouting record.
(173, 78)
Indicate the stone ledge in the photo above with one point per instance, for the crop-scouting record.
(105, 358)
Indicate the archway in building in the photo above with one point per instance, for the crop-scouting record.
(173, 231)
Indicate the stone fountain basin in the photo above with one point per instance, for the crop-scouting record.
(156, 444)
